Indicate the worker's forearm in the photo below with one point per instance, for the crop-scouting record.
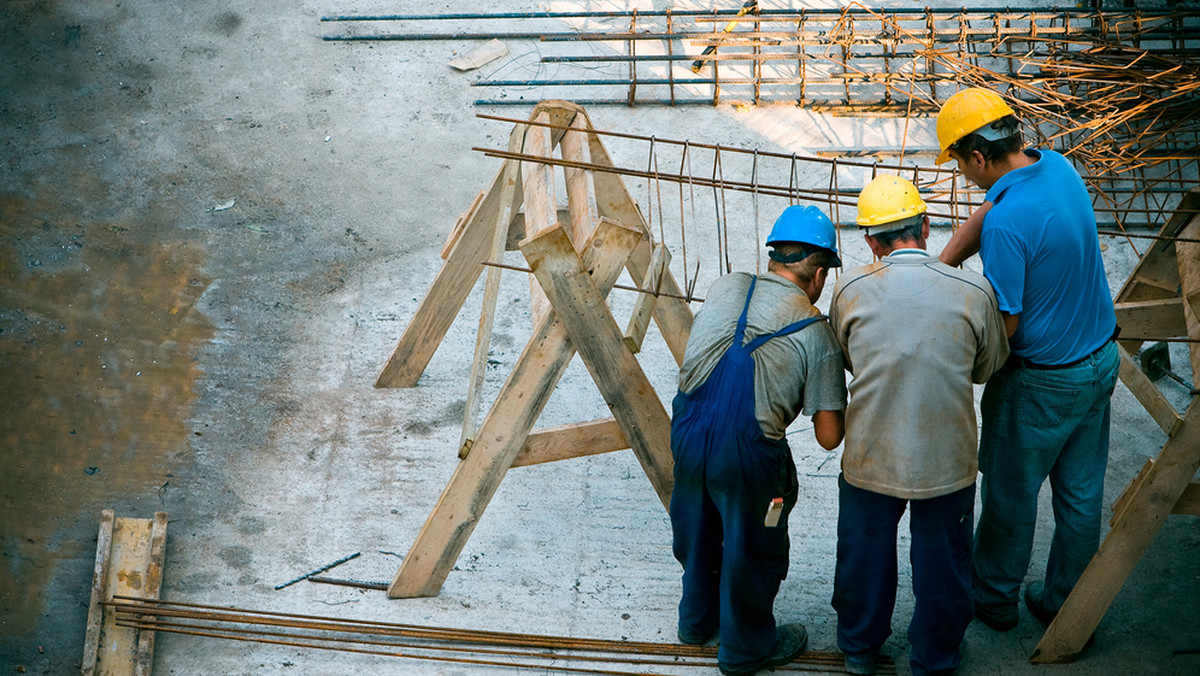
(1010, 323)
(829, 428)
(965, 242)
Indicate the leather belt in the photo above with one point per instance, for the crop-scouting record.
(1023, 362)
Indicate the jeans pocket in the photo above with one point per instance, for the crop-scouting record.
(1047, 403)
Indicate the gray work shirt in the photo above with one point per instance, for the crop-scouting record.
(915, 334)
(803, 369)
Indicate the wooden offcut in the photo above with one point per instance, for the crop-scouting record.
(129, 562)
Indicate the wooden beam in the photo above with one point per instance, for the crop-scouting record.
(1148, 394)
(573, 440)
(572, 147)
(1140, 520)
(95, 616)
(150, 590)
(491, 292)
(504, 430)
(1142, 319)
(643, 307)
(673, 316)
(1189, 502)
(1188, 255)
(581, 307)
(459, 225)
(129, 562)
(539, 201)
(446, 294)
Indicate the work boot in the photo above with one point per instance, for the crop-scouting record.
(695, 638)
(790, 641)
(1035, 601)
(863, 663)
(1000, 618)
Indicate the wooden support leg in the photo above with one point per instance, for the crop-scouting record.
(643, 308)
(491, 291)
(540, 210)
(446, 294)
(1148, 394)
(503, 432)
(585, 315)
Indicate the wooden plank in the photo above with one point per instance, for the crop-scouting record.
(673, 315)
(481, 55)
(1189, 502)
(516, 229)
(1188, 255)
(1130, 490)
(573, 440)
(1161, 318)
(153, 586)
(491, 292)
(572, 147)
(1157, 275)
(127, 575)
(504, 430)
(95, 616)
(446, 294)
(643, 307)
(582, 309)
(1148, 394)
(1125, 544)
(539, 201)
(461, 223)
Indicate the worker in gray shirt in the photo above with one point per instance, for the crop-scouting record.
(759, 354)
(915, 334)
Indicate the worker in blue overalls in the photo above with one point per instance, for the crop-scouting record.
(758, 355)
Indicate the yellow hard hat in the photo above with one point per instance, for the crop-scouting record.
(887, 202)
(966, 112)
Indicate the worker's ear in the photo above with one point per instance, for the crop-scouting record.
(925, 228)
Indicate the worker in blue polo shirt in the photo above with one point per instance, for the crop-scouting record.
(1046, 413)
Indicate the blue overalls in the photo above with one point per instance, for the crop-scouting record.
(727, 472)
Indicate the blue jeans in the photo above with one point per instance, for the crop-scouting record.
(864, 583)
(1038, 424)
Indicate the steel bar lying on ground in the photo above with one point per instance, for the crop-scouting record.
(500, 649)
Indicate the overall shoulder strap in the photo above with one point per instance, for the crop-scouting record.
(785, 331)
(740, 334)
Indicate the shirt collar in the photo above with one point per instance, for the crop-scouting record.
(1015, 176)
(908, 252)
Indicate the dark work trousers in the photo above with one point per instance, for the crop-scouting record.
(864, 584)
(726, 474)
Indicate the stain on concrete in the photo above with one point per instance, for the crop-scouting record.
(96, 331)
(237, 556)
(226, 23)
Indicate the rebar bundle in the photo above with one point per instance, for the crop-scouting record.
(553, 654)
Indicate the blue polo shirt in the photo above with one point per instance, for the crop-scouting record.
(1041, 253)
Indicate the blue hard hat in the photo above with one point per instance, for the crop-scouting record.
(806, 225)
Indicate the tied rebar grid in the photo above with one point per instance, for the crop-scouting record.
(555, 654)
(692, 165)
(1115, 89)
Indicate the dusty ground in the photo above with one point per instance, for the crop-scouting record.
(158, 352)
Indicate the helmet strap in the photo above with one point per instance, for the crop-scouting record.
(787, 258)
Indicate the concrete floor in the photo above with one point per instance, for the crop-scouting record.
(161, 352)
